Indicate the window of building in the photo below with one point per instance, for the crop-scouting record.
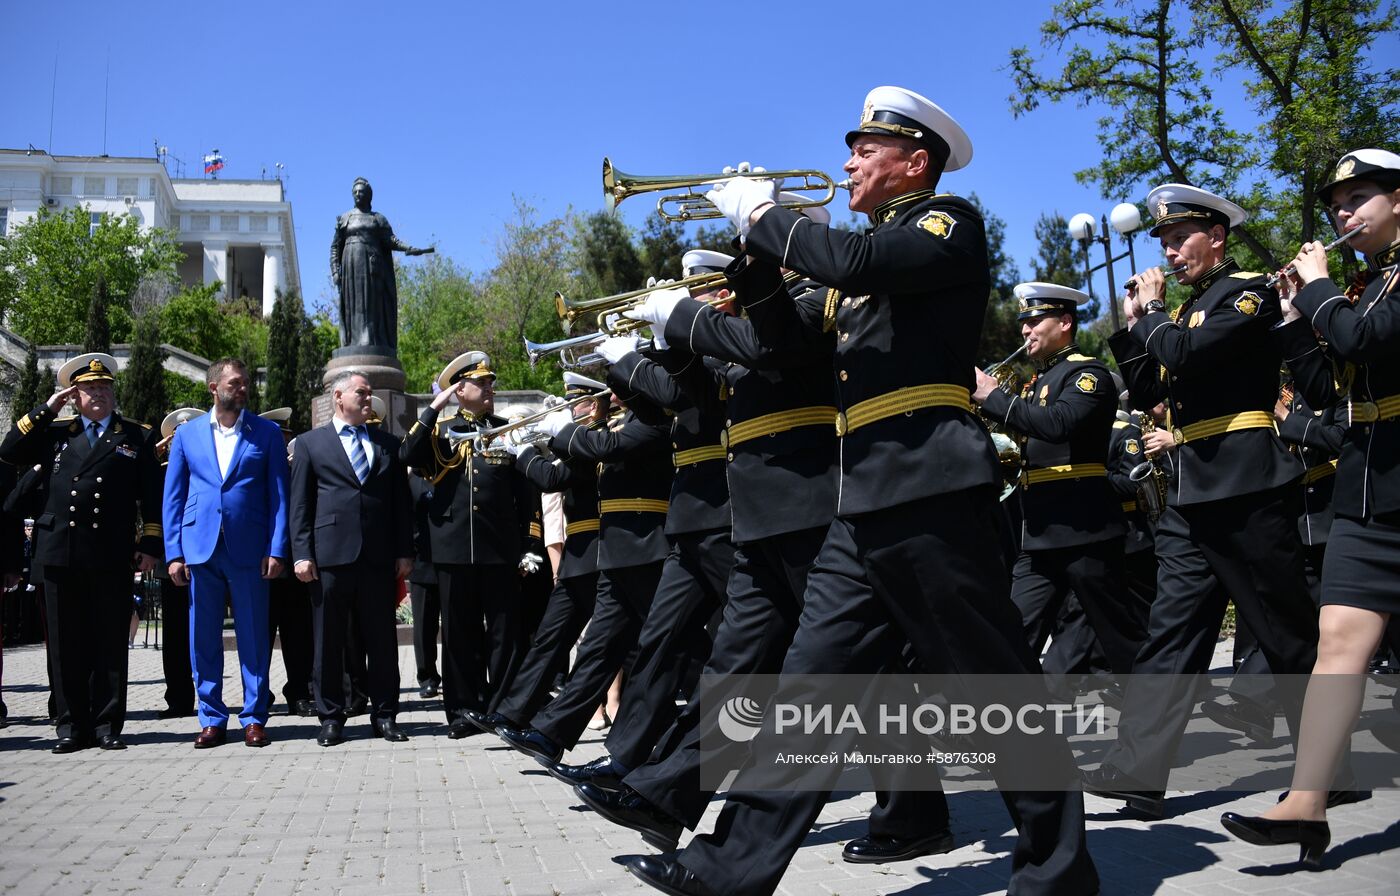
(127, 186)
(4, 221)
(228, 223)
(257, 223)
(199, 222)
(94, 221)
(94, 186)
(61, 186)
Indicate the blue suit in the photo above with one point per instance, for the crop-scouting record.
(222, 527)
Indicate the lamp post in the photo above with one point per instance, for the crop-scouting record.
(1126, 219)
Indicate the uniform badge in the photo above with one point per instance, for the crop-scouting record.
(940, 224)
(1087, 383)
(1131, 446)
(1247, 304)
(1345, 169)
(1196, 319)
(1044, 393)
(126, 451)
(866, 114)
(1161, 208)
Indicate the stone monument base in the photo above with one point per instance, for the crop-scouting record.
(386, 378)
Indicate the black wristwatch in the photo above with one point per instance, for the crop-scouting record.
(1156, 305)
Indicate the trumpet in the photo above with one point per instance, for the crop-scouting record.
(483, 436)
(693, 206)
(1007, 447)
(570, 310)
(1131, 283)
(1275, 277)
(565, 348)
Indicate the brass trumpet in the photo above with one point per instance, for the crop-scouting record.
(484, 436)
(1008, 447)
(693, 206)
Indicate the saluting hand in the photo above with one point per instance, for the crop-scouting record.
(61, 397)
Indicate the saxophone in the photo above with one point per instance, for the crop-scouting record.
(1151, 477)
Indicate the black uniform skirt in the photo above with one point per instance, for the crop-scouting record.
(1362, 565)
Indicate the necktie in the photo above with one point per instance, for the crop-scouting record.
(92, 433)
(358, 459)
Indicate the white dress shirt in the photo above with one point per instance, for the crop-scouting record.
(226, 441)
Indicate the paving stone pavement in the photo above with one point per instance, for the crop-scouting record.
(473, 817)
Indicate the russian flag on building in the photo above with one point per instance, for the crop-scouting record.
(213, 162)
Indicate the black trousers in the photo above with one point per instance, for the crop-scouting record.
(1246, 549)
(693, 583)
(1075, 649)
(1254, 683)
(930, 571)
(480, 633)
(568, 611)
(1094, 572)
(427, 620)
(289, 622)
(359, 594)
(624, 598)
(175, 646)
(89, 616)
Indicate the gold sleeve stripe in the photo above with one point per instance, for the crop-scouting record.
(25, 425)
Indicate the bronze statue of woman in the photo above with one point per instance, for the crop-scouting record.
(362, 266)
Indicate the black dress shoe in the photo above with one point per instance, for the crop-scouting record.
(71, 745)
(428, 691)
(460, 728)
(1108, 782)
(111, 742)
(872, 850)
(389, 730)
(631, 810)
(1243, 716)
(668, 875)
(531, 743)
(488, 722)
(356, 709)
(1311, 836)
(1337, 798)
(600, 772)
(304, 708)
(171, 712)
(332, 733)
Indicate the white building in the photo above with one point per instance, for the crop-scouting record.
(238, 232)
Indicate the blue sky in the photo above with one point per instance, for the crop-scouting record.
(451, 109)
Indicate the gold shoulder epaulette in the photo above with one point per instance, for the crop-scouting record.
(1120, 424)
(1245, 275)
(829, 310)
(1079, 357)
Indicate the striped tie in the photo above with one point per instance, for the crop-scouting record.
(358, 459)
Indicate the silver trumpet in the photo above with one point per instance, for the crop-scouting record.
(1276, 276)
(567, 350)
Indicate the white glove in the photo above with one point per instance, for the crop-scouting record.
(657, 307)
(510, 442)
(614, 348)
(739, 197)
(555, 422)
(530, 563)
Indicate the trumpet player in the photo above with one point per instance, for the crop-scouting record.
(1072, 530)
(1228, 531)
(571, 602)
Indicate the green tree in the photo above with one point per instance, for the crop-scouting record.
(1001, 332)
(191, 320)
(141, 386)
(312, 353)
(663, 247)
(609, 255)
(437, 312)
(248, 352)
(26, 394)
(98, 337)
(50, 264)
(1308, 66)
(283, 333)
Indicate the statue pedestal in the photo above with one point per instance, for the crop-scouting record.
(386, 377)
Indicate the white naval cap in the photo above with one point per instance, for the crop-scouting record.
(576, 384)
(176, 417)
(704, 261)
(817, 213)
(1171, 203)
(1376, 165)
(895, 111)
(1037, 297)
(88, 368)
(466, 366)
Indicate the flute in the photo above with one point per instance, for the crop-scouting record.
(1275, 277)
(1131, 284)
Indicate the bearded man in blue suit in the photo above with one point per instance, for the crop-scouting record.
(225, 515)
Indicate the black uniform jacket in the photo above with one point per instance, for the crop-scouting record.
(699, 490)
(578, 480)
(422, 491)
(93, 493)
(1365, 339)
(1315, 438)
(1212, 360)
(336, 520)
(1066, 412)
(1125, 453)
(782, 470)
(480, 509)
(634, 485)
(906, 303)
